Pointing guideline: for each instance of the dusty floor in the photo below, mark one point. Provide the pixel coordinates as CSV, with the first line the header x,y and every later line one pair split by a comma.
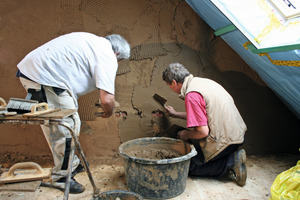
x,y
262,170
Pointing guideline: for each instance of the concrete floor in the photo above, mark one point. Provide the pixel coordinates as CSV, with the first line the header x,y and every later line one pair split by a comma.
x,y
262,170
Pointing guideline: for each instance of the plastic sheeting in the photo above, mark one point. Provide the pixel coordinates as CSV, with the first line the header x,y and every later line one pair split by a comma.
x,y
283,80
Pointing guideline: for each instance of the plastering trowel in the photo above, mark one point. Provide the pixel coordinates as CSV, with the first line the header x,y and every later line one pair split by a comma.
x,y
160,99
24,176
25,171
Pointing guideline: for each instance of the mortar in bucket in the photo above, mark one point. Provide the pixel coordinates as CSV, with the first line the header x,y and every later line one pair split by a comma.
x,y
157,167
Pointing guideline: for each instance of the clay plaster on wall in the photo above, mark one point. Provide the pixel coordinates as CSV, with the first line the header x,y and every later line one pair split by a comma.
x,y
159,32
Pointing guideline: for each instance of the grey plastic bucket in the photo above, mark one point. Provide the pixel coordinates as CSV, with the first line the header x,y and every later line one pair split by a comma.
x,y
120,195
157,178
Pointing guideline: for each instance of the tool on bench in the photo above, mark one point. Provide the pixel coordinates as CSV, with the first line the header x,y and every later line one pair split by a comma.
x,y
3,108
29,108
2,104
24,105
36,110
20,105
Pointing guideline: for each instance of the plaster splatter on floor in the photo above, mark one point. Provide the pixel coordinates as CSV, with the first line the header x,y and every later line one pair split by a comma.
x,y
262,171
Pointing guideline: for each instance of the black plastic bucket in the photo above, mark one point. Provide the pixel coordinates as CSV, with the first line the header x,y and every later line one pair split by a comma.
x,y
119,195
157,178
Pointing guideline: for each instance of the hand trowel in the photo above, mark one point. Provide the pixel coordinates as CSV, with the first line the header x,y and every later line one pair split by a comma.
x,y
160,99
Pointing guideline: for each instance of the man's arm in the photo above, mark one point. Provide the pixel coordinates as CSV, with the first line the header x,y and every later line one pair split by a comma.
x,y
173,113
198,132
107,103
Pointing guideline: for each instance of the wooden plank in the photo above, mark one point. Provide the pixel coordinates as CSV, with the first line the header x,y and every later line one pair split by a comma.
x,y
29,186
58,115
61,114
39,113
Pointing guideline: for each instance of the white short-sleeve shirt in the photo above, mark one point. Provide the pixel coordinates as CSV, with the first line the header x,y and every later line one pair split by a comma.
x,y
80,62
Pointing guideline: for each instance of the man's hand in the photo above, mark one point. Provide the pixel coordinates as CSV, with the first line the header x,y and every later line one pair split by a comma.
x,y
170,111
173,113
107,103
104,115
183,134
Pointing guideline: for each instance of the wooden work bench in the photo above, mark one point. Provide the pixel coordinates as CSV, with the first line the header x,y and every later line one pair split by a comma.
x,y
54,118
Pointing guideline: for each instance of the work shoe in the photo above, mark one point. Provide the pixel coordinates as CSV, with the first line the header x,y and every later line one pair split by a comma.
x,y
75,187
78,169
239,171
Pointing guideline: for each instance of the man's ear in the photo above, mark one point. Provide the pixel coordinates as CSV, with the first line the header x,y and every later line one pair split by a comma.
x,y
175,82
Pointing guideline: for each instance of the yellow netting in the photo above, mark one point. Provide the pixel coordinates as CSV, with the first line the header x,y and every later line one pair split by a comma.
x,y
294,63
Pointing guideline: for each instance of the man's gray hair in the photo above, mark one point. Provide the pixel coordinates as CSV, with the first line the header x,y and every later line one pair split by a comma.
x,y
120,46
175,71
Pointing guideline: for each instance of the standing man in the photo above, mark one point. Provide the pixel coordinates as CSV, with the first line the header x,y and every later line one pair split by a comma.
x,y
217,128
61,71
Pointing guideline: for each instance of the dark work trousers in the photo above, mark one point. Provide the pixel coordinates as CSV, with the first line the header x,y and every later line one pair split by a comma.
x,y
216,167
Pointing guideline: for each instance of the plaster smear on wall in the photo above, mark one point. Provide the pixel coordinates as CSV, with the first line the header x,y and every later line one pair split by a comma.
x,y
156,30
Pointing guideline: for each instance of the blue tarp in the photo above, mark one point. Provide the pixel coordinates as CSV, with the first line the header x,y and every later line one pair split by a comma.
x,y
283,80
